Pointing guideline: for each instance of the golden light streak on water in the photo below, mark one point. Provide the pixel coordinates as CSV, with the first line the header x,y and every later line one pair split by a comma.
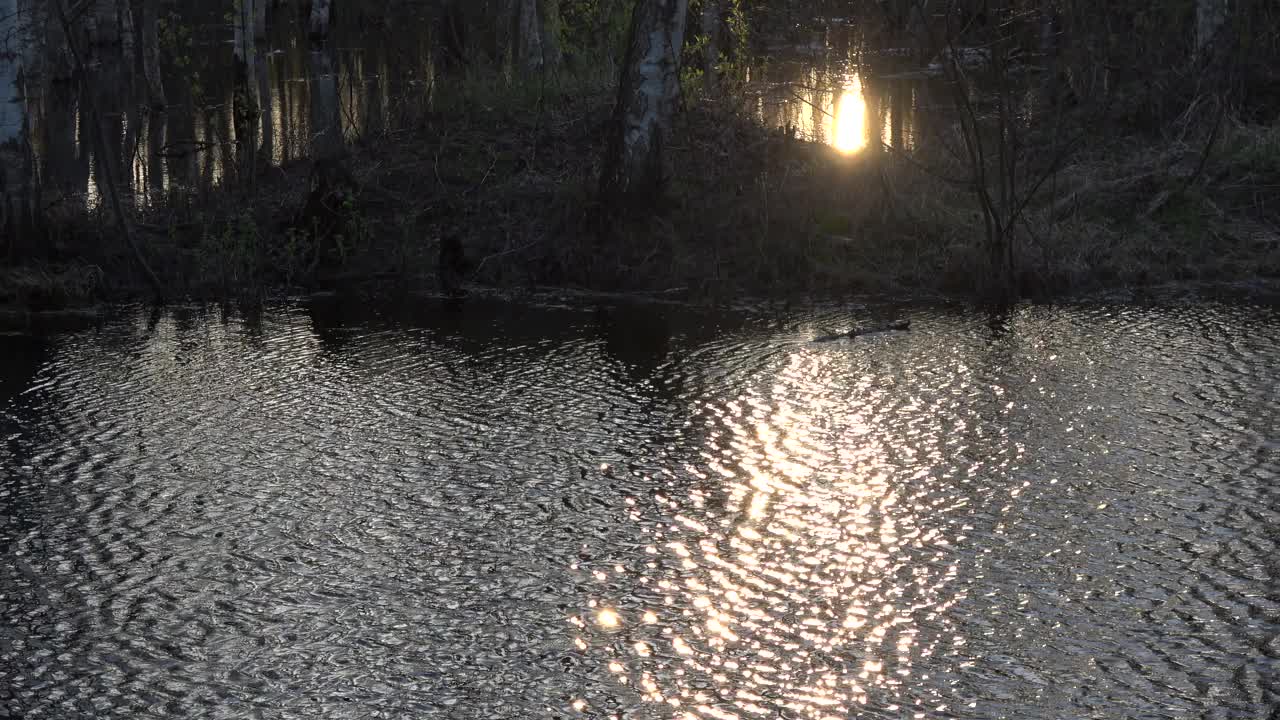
x,y
792,577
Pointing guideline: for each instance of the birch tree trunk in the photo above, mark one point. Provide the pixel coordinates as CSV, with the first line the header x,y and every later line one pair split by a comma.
x,y
10,60
552,55
267,110
125,12
12,128
106,30
1211,15
648,93
156,136
51,42
711,32
528,36
1052,85
243,21
260,19
451,34
246,105
150,39
320,16
326,122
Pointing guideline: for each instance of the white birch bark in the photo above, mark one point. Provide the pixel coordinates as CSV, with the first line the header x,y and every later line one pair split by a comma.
x,y
267,108
321,12
246,104
1211,15
528,36
150,39
260,19
326,125
10,62
549,14
106,30
125,13
12,124
244,31
648,93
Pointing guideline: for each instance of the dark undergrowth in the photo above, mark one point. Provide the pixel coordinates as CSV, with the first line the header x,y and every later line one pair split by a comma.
x,y
510,173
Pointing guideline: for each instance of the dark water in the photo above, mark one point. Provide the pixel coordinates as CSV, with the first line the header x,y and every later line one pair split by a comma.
x,y
495,511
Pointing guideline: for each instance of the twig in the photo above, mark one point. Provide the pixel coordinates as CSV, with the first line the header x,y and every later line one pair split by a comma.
x,y
504,253
1208,146
493,161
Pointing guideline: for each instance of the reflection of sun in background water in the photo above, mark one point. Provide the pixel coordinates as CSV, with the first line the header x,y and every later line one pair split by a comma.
x,y
797,574
850,133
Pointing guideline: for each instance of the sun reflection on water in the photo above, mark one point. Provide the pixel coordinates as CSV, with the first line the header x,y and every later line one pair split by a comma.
x,y
810,567
850,133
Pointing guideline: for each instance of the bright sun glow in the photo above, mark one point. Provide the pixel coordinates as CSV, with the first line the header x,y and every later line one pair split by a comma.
x,y
850,133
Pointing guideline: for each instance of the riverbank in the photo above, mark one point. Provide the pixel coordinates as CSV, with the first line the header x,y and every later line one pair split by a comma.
x,y
510,175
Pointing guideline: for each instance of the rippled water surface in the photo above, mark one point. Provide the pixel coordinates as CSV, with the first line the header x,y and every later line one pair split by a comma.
x,y
498,511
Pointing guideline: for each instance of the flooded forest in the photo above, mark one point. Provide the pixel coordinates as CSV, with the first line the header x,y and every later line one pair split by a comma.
x,y
704,148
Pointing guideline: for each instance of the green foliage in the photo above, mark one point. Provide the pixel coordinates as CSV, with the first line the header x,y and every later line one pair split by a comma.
x,y
232,255
594,29
692,80
739,30
734,50
830,223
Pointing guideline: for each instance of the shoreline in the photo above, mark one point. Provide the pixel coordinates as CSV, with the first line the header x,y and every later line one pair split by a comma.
x,y
21,321
750,213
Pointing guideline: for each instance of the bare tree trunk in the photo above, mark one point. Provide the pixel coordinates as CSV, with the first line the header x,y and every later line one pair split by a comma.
x,y
711,32
157,126
151,52
105,158
125,13
648,93
326,122
260,19
451,34
52,44
106,25
10,63
246,110
528,36
268,111
320,16
1211,15
552,54
13,182
604,26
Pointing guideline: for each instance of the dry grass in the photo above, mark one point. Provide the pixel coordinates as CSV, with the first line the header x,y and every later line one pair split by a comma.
x,y
51,287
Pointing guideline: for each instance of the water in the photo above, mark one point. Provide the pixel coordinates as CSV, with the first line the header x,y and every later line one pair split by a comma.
x,y
838,88
498,511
